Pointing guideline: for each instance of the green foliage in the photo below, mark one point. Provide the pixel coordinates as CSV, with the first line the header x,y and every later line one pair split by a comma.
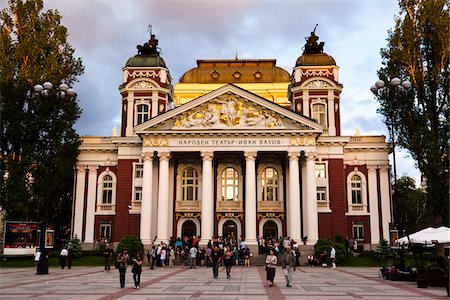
x,y
339,239
132,243
383,251
411,210
418,50
369,254
75,245
326,245
38,142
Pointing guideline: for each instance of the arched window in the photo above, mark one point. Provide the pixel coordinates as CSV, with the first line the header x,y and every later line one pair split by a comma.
x,y
230,185
189,185
142,114
356,189
269,183
107,189
318,113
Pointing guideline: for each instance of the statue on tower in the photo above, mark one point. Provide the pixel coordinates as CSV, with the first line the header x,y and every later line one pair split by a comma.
x,y
150,48
311,46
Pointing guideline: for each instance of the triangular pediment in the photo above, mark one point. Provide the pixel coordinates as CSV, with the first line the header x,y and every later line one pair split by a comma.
x,y
229,108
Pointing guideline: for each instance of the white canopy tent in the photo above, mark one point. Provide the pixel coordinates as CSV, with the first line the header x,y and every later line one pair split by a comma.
x,y
429,235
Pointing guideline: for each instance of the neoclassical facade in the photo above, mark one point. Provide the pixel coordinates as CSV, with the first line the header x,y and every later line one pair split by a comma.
x,y
236,148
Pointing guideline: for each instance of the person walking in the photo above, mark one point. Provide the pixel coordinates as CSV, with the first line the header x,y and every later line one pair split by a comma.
x,y
193,257
271,265
162,257
123,259
107,254
333,257
287,264
228,262
137,270
63,257
207,257
69,258
153,257
216,259
247,255
171,256
37,257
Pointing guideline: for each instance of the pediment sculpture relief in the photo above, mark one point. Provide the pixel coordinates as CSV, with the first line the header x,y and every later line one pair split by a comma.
x,y
228,111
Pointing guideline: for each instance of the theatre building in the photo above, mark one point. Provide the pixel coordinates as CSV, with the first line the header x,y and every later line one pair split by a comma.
x,y
238,147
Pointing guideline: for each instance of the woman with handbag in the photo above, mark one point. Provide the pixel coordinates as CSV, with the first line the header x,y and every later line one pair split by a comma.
x,y
137,270
271,264
121,263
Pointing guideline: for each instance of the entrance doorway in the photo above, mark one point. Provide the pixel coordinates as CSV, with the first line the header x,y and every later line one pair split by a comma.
x,y
229,229
270,229
188,229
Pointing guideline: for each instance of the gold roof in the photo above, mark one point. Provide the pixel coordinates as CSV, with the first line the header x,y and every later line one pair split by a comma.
x,y
236,71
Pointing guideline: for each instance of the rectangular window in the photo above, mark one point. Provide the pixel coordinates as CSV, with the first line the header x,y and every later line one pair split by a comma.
x,y
358,230
356,197
320,170
105,230
321,194
139,171
138,193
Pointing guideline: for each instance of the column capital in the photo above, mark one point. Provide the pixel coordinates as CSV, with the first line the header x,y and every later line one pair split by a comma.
x,y
207,155
92,169
293,154
250,155
80,168
310,155
384,168
147,156
164,155
372,168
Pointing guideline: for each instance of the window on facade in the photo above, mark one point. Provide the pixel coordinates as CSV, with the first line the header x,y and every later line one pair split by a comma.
x,y
105,230
142,113
320,170
107,189
139,171
269,183
358,230
189,184
319,113
356,189
230,185
138,193
321,193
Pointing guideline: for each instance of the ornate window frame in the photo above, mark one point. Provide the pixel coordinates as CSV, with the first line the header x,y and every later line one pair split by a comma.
x,y
235,206
320,102
145,114
264,220
235,220
322,182
106,208
359,226
357,209
196,185
270,206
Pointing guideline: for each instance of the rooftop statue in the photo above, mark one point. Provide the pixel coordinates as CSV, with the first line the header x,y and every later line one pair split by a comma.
x,y
311,46
150,48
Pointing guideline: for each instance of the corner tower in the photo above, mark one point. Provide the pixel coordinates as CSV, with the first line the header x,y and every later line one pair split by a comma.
x,y
146,89
315,89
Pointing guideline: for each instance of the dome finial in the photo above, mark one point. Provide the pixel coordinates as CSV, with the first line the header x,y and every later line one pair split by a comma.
x,y
311,46
150,48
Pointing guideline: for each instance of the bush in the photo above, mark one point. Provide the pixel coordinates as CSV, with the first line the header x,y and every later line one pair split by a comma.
x,y
326,245
383,251
132,243
368,254
75,246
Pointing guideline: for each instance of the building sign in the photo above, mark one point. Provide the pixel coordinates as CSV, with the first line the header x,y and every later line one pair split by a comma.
x,y
20,238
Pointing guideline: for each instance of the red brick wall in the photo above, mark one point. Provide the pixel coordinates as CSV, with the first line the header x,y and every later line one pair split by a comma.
x,y
337,117
123,197
124,118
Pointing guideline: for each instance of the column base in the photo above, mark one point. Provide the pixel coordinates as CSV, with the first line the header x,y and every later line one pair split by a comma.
x,y
147,244
158,241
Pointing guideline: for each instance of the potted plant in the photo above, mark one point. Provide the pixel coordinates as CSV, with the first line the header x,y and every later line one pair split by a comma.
x,y
421,275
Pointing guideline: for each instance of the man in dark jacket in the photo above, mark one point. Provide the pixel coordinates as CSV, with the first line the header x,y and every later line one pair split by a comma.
x,y
287,264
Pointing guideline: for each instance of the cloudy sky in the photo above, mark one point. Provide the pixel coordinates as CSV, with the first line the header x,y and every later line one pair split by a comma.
x,y
105,34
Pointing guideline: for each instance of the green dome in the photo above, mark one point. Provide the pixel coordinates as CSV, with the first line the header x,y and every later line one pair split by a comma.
x,y
316,59
146,61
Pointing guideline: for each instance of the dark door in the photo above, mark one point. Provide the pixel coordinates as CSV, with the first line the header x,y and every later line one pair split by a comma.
x,y
229,229
188,229
270,229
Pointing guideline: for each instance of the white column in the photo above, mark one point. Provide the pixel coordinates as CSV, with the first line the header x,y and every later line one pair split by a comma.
x,y
304,198
250,198
79,202
385,201
306,103
331,120
373,204
294,196
90,207
130,114
163,197
207,224
146,203
311,200
155,108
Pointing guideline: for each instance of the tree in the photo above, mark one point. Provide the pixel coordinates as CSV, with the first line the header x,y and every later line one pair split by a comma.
x,y
411,208
418,50
38,143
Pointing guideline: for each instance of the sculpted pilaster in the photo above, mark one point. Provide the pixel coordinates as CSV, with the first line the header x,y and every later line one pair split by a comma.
x,y
164,155
207,155
293,155
250,155
310,155
147,156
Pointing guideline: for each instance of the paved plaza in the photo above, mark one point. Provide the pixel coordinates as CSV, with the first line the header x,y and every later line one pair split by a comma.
x,y
246,283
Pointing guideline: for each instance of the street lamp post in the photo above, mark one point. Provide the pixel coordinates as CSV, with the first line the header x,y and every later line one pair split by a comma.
x,y
390,92
45,91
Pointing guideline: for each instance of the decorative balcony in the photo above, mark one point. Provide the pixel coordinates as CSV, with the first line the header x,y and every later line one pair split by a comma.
x,y
106,209
229,206
270,206
357,209
188,206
